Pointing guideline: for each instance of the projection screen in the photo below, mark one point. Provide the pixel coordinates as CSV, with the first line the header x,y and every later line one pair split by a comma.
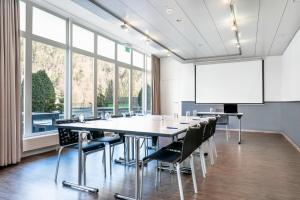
x,y
237,82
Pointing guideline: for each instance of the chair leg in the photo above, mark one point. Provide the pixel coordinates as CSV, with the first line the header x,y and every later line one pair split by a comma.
x,y
227,134
202,161
84,168
142,182
215,147
104,158
110,161
179,181
212,162
147,147
193,173
58,161
156,174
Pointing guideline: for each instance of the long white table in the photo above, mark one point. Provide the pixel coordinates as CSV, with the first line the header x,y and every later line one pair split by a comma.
x,y
136,127
238,115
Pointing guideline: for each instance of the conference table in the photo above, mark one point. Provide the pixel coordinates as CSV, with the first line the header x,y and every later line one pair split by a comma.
x,y
137,127
238,115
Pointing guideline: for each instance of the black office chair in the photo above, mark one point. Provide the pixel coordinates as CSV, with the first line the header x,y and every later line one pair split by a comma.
x,y
168,154
69,139
112,140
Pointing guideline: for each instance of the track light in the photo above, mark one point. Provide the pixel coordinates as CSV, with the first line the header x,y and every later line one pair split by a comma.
x,y
124,27
234,27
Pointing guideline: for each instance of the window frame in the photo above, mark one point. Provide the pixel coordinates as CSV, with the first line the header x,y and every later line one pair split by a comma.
x,y
29,37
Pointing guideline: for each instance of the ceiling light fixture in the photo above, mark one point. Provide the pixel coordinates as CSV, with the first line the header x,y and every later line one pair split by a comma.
x,y
169,11
124,27
227,1
234,27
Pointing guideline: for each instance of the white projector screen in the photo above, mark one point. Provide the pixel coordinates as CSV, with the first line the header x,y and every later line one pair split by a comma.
x,y
238,82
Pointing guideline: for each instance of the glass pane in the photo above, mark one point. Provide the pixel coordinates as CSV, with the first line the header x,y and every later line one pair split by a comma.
x,y
82,85
83,39
48,64
124,54
138,59
106,47
22,16
49,26
105,87
22,66
149,91
148,63
123,94
137,90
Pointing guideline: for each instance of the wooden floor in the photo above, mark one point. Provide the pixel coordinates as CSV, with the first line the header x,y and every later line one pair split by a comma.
x,y
264,167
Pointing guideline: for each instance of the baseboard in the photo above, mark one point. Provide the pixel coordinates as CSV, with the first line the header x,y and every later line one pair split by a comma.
x,y
290,141
38,151
273,132
250,130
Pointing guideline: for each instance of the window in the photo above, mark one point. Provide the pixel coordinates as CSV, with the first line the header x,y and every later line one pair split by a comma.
x,y
22,66
47,86
82,85
83,39
106,47
105,87
137,90
149,84
123,94
22,16
119,84
49,26
124,54
137,59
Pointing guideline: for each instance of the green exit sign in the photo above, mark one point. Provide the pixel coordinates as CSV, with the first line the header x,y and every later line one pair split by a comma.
x,y
127,49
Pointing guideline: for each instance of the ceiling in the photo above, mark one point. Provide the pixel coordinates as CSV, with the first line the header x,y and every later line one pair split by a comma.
x,y
204,31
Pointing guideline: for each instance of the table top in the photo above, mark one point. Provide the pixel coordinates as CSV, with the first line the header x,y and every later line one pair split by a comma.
x,y
149,125
220,113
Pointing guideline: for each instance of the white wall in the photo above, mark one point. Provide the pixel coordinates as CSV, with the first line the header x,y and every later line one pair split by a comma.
x,y
273,70
291,71
177,84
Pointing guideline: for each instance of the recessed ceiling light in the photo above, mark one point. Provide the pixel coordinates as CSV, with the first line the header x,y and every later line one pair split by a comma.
x,y
169,11
227,1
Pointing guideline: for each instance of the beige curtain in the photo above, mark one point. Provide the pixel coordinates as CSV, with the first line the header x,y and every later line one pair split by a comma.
x,y
10,134
156,110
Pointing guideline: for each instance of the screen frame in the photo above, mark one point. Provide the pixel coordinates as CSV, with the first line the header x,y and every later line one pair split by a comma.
x,y
263,88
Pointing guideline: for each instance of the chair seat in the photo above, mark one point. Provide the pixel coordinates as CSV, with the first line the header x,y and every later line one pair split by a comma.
x,y
109,139
175,146
164,155
90,146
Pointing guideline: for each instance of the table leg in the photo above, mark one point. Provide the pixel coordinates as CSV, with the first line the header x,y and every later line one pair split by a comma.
x,y
137,174
240,127
79,185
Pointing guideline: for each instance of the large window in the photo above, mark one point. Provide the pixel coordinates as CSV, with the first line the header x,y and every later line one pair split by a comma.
x,y
47,86
106,47
137,59
22,16
82,85
137,90
124,54
83,39
49,26
148,84
105,87
123,94
73,70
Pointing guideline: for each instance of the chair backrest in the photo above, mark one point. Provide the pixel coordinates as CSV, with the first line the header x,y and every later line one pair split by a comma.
x,y
192,140
214,124
67,136
207,129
